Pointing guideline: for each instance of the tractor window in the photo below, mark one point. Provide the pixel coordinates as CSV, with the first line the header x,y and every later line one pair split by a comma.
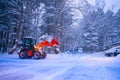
x,y
33,42
27,42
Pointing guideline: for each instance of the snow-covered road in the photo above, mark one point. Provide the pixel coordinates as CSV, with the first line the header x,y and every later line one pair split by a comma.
x,y
60,67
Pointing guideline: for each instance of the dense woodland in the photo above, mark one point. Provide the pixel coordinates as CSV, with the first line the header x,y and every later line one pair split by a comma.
x,y
75,26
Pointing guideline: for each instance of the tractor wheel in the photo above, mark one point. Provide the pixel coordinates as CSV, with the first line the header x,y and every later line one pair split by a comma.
x,y
22,55
37,55
43,55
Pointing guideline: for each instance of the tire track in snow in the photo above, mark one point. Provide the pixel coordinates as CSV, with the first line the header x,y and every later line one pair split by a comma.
x,y
50,76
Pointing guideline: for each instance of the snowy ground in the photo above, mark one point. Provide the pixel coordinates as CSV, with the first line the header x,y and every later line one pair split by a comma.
x,y
60,67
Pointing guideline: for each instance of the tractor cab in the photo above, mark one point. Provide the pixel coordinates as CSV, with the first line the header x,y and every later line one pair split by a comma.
x,y
28,43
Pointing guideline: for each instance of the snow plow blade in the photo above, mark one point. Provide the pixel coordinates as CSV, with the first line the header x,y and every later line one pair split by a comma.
x,y
11,51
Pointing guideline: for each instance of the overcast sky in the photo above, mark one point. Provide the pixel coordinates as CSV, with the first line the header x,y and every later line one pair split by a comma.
x,y
112,5
115,4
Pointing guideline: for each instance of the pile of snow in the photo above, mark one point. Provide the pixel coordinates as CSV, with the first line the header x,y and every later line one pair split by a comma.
x,y
111,50
117,58
45,37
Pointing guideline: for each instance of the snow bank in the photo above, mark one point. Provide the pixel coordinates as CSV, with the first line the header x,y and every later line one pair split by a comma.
x,y
117,58
60,67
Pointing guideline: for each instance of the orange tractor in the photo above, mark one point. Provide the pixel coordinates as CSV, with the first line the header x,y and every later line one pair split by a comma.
x,y
29,48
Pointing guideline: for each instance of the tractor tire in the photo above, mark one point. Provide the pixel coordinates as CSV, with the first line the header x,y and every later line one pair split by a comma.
x,y
43,55
37,55
23,55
